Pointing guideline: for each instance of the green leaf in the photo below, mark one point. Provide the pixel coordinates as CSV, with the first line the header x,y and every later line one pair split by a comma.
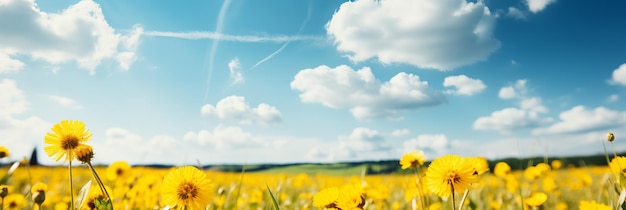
x,y
273,199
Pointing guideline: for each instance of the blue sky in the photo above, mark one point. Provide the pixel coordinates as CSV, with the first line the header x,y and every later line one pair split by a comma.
x,y
314,81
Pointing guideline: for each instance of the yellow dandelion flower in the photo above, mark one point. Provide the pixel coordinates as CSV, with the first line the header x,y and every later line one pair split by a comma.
x,y
556,164
480,164
618,164
350,197
66,136
501,169
448,173
592,205
14,202
38,192
561,206
186,186
412,159
536,199
326,198
118,170
84,153
4,152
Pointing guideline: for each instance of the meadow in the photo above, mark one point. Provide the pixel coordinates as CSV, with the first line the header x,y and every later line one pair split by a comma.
x,y
447,182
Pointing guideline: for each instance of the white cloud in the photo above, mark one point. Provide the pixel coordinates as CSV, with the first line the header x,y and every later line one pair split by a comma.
x,y
400,132
432,144
613,98
237,109
12,100
428,34
234,68
365,96
516,13
528,115
514,91
9,65
579,119
227,138
619,75
464,85
79,33
362,143
536,6
66,102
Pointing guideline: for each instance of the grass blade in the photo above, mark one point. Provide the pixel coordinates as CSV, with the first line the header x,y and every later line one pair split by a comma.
x,y
273,199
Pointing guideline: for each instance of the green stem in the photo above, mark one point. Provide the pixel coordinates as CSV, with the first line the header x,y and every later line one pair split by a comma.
x,y
71,187
95,175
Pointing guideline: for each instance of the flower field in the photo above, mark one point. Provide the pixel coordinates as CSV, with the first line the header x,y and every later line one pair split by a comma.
x,y
448,182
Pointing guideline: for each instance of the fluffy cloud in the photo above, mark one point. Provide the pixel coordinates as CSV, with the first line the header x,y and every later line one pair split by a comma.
x,y
428,34
9,65
509,119
432,144
613,98
527,115
79,33
619,75
237,109
516,13
20,135
400,132
464,85
579,119
536,6
514,91
362,93
234,69
227,138
12,100
362,143
66,102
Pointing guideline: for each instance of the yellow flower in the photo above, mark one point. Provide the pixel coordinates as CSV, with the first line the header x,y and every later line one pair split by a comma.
x,y
350,197
66,136
4,152
118,170
84,153
592,205
412,159
186,186
618,164
556,164
450,173
501,169
38,192
326,198
14,202
480,164
536,199
610,137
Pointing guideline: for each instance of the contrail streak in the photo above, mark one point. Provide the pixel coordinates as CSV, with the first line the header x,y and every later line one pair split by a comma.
x,y
308,17
199,35
218,29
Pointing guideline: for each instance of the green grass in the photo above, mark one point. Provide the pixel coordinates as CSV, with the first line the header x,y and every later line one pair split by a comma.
x,y
338,169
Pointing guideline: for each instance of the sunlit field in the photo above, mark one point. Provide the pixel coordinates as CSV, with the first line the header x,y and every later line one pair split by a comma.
x,y
447,182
